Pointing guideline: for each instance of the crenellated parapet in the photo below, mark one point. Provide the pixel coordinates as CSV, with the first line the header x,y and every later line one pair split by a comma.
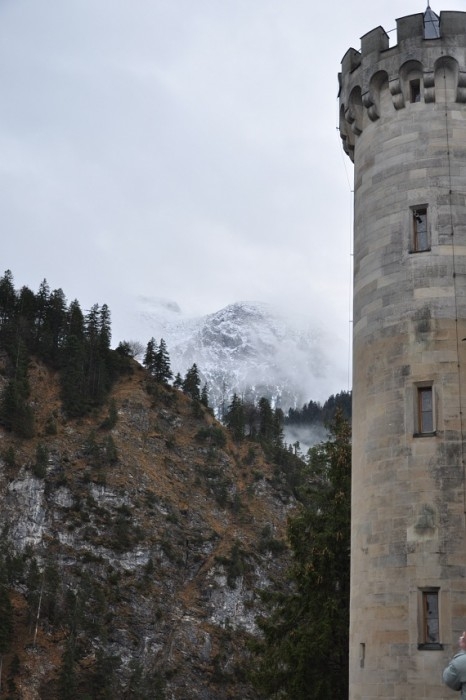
x,y
380,79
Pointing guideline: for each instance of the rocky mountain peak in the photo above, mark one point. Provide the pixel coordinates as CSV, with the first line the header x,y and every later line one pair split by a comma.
x,y
252,349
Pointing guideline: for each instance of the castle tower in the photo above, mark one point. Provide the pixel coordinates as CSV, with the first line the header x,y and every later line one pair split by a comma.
x,y
403,123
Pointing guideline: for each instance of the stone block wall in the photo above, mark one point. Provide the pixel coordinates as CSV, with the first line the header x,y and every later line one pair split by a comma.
x,y
403,123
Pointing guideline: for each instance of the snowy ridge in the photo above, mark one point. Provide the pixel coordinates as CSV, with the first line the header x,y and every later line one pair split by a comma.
x,y
249,348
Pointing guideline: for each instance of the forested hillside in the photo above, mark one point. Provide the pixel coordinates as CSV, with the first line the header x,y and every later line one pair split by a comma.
x,y
44,326
314,413
147,549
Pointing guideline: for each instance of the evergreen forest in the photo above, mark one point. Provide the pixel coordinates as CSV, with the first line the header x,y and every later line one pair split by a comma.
x,y
300,648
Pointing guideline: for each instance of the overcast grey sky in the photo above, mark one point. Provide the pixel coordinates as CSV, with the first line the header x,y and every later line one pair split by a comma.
x,y
182,149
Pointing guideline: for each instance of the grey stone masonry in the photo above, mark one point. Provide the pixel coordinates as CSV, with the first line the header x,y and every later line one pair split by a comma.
x,y
403,124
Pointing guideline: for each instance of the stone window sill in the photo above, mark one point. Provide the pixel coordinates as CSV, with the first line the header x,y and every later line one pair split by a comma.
x,y
430,647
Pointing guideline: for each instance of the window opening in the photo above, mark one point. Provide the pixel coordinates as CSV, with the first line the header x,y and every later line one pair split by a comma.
x,y
430,618
420,237
415,90
362,654
425,410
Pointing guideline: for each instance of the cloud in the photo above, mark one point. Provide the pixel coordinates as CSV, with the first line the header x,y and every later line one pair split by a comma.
x,y
181,150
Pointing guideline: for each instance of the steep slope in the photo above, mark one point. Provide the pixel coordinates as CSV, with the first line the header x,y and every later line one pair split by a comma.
x,y
134,545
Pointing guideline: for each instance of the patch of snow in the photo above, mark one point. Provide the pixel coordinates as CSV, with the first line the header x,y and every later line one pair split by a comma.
x,y
252,349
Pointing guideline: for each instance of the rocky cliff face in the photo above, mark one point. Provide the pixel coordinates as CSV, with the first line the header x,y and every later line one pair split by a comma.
x,y
135,548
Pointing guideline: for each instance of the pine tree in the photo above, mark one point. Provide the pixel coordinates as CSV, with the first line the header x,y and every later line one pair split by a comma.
x,y
42,298
53,327
162,371
150,355
266,420
235,418
26,316
105,329
191,383
7,298
98,360
278,420
304,652
75,320
8,303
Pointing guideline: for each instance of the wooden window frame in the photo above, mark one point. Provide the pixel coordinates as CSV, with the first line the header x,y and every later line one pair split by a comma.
x,y
425,411
429,631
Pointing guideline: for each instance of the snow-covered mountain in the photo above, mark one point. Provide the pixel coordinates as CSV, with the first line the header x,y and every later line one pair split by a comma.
x,y
249,348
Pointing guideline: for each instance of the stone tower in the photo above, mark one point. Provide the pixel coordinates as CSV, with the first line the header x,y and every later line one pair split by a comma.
x,y
403,123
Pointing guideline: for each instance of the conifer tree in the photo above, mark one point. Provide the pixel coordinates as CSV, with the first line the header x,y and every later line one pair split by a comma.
x,y
53,326
26,316
162,372
75,320
266,420
92,324
8,312
105,329
235,418
91,334
150,355
42,298
191,383
304,652
278,420
7,298
97,337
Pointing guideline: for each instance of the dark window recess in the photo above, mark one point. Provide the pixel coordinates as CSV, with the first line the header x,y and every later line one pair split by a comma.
x,y
420,238
431,627
415,91
425,410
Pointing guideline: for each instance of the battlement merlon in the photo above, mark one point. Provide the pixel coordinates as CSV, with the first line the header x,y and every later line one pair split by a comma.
x,y
377,61
410,29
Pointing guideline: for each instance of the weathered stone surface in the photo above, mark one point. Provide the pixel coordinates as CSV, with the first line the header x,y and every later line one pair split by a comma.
x,y
409,323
